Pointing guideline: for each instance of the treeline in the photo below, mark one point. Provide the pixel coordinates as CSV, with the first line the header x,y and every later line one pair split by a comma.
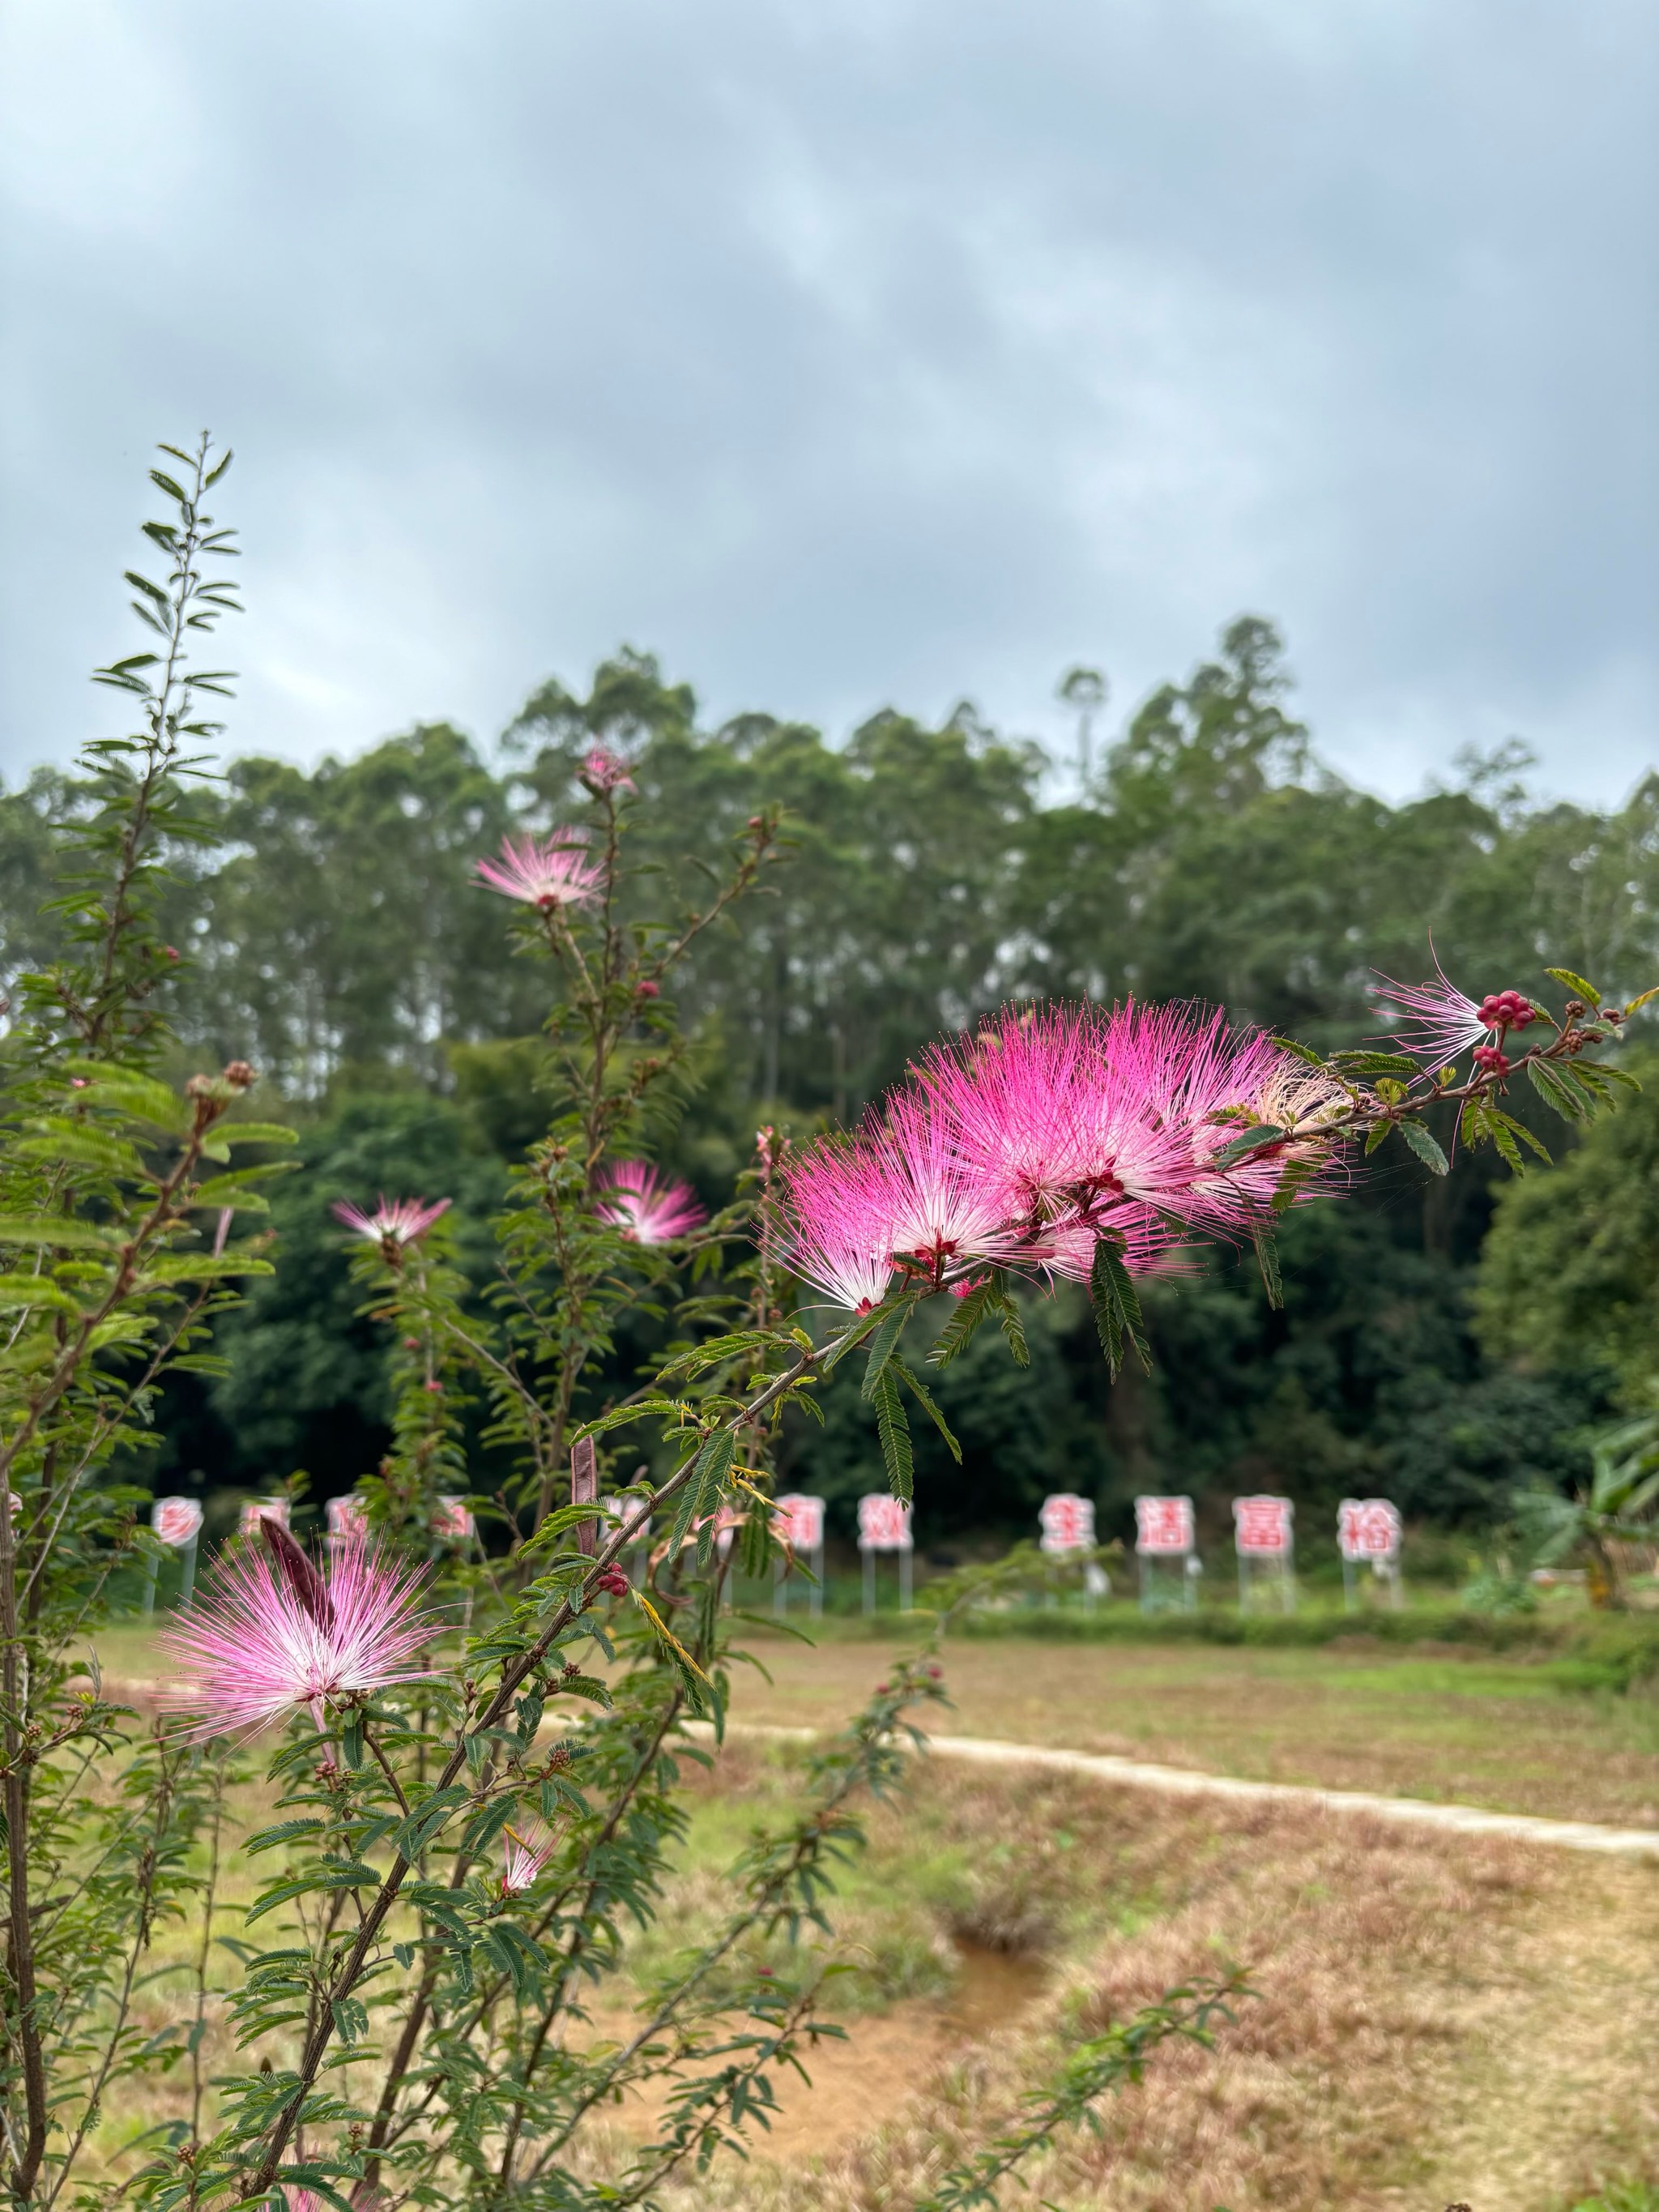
x,y
329,931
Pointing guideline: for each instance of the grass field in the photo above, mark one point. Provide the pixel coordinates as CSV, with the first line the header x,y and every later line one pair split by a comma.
x,y
1438,2021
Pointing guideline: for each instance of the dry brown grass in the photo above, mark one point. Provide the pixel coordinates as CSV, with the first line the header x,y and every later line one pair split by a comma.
x,y
1436,2019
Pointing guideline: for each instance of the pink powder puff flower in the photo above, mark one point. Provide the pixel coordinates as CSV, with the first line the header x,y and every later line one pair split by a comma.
x,y
271,1633
911,1186
1149,1246
525,1853
1053,1115
603,770
827,1235
1444,1023
394,1220
648,1209
1212,1084
546,872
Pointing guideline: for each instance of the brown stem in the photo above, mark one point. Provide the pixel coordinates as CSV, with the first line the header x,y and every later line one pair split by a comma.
x,y
26,2167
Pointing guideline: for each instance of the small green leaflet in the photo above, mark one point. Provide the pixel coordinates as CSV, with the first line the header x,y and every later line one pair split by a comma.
x,y
1252,1141
1117,1307
1374,1063
958,1333
701,1495
1266,1258
1011,1328
1556,1089
893,1432
1302,1051
1577,985
1426,1147
882,1345
924,1398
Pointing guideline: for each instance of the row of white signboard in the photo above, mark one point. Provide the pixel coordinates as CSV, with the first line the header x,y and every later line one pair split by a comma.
x,y
178,1521
1264,1527
1367,1528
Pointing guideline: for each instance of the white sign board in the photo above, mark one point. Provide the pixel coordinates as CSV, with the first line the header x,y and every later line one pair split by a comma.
x,y
1261,1527
1369,1528
883,1522
261,1509
176,1521
1164,1528
346,1517
1068,1522
799,1521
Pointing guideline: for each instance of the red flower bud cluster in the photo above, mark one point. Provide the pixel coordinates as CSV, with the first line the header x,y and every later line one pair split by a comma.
x,y
1506,1010
1488,1057
613,1582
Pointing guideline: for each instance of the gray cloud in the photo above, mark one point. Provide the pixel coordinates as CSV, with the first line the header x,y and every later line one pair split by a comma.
x,y
847,352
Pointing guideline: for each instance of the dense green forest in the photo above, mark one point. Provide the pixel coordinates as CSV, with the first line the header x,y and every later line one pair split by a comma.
x,y
328,930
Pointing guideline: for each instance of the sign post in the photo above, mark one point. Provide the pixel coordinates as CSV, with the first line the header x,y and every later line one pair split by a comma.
x,y
178,1521
799,1523
884,1526
1264,1536
1164,1530
1068,1522
1368,1530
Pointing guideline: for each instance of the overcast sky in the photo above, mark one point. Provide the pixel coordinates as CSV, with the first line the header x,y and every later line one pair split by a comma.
x,y
849,352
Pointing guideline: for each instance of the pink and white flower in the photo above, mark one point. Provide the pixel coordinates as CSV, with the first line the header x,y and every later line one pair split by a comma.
x,y
1445,1022
271,1634
548,873
648,1209
829,1234
1053,1111
394,1221
525,1852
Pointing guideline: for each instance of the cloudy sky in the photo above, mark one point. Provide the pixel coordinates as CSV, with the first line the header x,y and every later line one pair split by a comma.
x,y
847,352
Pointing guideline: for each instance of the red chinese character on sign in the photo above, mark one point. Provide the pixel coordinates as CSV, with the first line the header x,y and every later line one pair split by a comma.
x,y
1068,1522
261,1509
1261,1527
799,1521
884,1524
347,1516
1368,1528
176,1521
1163,1526
453,1521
